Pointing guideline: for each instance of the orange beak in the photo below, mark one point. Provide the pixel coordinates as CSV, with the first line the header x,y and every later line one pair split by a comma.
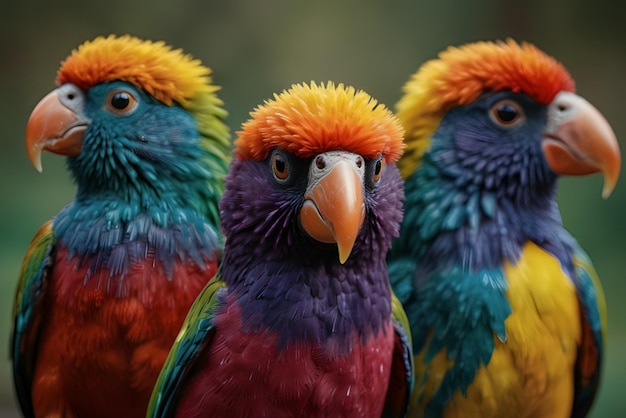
x,y
334,208
580,141
56,124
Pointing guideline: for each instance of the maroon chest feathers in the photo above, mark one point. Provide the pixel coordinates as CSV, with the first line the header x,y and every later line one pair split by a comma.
x,y
248,374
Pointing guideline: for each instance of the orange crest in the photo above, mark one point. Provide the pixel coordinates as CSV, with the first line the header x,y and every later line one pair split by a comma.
x,y
165,73
461,74
307,120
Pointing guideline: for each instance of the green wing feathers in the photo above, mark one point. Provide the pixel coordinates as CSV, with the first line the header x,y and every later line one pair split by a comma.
x,y
402,379
195,333
400,318
31,287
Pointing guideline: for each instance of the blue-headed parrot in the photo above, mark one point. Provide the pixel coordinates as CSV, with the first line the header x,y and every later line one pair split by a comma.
x,y
300,320
106,284
506,310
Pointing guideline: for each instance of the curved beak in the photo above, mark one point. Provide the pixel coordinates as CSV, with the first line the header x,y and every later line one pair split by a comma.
x,y
334,208
56,124
580,141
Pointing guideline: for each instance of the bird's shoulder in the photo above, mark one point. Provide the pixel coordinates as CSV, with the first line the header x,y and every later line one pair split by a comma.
x,y
28,309
195,335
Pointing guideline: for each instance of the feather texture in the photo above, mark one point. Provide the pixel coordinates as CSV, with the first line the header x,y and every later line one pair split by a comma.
x,y
107,283
294,331
505,308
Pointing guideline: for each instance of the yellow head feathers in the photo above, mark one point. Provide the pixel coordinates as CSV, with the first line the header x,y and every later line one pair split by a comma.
x,y
461,74
167,74
310,119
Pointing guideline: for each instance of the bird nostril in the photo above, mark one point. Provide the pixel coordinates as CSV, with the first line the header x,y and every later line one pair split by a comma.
x,y
359,162
319,162
563,108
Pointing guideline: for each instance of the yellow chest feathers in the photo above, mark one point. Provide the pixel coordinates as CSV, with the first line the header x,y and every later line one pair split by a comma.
x,y
531,374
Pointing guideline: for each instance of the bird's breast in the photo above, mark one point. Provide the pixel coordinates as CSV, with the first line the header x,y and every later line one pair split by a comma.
x,y
107,337
251,374
533,369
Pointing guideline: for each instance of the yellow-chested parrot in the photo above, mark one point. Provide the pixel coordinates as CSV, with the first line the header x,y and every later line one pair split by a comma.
x,y
506,310
301,321
106,284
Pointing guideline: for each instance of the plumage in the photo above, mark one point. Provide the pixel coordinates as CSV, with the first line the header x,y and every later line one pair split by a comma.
x,y
106,284
300,320
506,311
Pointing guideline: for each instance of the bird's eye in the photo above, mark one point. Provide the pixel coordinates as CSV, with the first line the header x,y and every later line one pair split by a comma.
x,y
280,167
378,169
506,113
121,102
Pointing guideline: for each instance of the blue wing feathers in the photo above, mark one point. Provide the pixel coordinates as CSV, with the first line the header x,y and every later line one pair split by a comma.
x,y
458,312
593,323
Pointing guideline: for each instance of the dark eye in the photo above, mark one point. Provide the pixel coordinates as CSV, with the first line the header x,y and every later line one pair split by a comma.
x,y
280,167
121,102
378,169
507,113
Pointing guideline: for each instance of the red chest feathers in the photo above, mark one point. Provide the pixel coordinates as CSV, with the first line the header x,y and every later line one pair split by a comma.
x,y
103,340
247,375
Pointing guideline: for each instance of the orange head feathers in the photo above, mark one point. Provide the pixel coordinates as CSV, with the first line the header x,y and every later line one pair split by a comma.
x,y
167,74
461,74
309,119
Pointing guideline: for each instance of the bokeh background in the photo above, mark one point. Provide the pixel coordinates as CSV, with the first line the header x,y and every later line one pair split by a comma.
x,y
259,47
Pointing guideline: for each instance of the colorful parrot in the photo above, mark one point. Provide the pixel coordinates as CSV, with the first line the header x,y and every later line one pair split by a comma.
x,y
506,311
106,284
301,321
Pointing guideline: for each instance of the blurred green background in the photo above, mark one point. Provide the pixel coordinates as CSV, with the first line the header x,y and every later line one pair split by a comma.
x,y
259,47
